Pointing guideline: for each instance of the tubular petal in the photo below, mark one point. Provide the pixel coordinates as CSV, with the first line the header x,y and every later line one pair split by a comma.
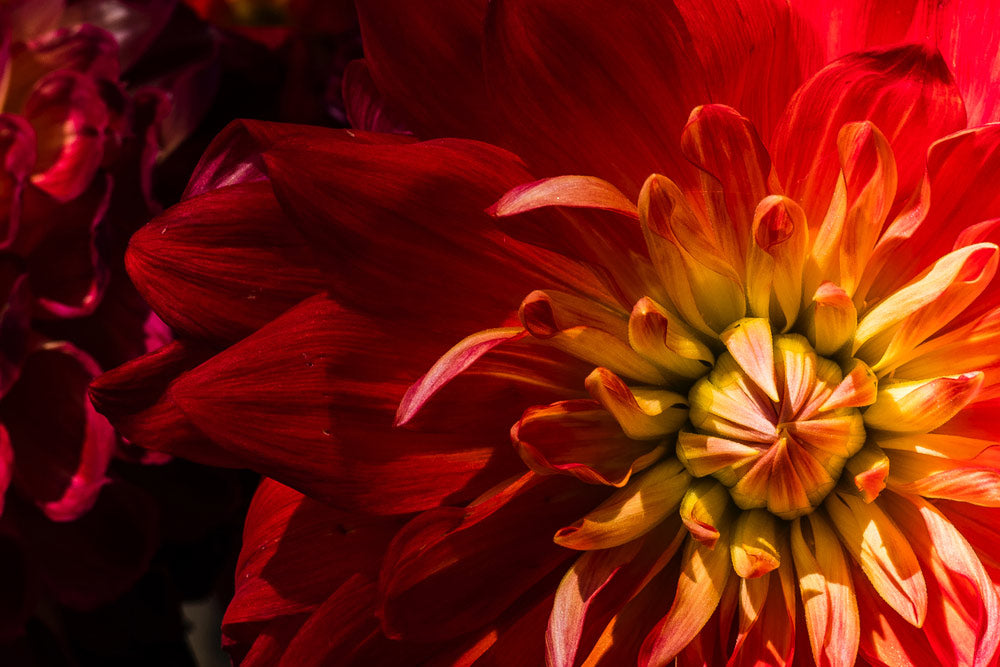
x,y
868,470
777,254
834,319
582,439
644,414
749,341
874,541
664,339
629,512
858,389
704,510
920,406
755,544
703,579
733,164
831,609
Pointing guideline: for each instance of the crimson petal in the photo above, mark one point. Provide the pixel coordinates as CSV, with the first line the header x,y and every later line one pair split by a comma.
x,y
452,570
221,265
907,92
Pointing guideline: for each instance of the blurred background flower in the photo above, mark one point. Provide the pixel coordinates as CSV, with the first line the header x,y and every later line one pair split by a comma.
x,y
751,401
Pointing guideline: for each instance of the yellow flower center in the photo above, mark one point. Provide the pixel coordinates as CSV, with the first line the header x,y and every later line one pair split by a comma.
x,y
770,421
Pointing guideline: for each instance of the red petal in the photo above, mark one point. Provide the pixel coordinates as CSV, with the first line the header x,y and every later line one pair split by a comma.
x,y
578,438
366,108
428,64
958,186
633,72
222,265
376,237
452,570
134,398
337,627
62,447
296,553
294,400
906,92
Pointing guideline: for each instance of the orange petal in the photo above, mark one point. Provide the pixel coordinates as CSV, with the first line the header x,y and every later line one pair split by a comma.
x,y
703,578
582,328
579,438
664,339
831,609
575,191
703,510
705,454
643,413
891,329
776,258
832,320
874,541
868,470
858,389
631,511
963,623
922,405
755,544
749,341
703,283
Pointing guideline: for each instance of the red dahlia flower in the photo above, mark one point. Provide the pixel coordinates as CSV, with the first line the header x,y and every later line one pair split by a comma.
x,y
77,151
741,407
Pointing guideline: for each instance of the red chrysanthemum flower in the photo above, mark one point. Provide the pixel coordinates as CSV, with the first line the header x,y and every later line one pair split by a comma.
x,y
746,358
77,148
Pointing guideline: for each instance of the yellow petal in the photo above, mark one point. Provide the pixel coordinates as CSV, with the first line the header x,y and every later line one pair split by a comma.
x,y
642,412
749,341
703,510
867,471
832,319
630,511
755,544
664,339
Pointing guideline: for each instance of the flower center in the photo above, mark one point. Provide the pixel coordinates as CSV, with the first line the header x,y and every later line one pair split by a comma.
x,y
773,421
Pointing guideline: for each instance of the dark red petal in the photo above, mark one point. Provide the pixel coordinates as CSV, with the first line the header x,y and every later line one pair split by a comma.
x,y
132,30
378,236
86,49
428,64
221,265
134,398
579,438
604,97
366,107
234,156
15,329
295,400
61,445
958,187
452,570
297,552
337,627
907,92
